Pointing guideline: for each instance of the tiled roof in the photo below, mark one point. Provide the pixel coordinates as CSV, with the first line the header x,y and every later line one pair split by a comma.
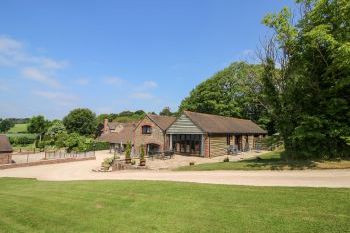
x,y
163,122
124,136
5,145
220,124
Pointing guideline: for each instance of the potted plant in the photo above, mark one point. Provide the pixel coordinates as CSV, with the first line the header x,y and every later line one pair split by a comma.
x,y
142,157
128,153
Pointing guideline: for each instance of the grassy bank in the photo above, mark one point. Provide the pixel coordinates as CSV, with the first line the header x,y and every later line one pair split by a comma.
x,y
19,128
269,161
136,206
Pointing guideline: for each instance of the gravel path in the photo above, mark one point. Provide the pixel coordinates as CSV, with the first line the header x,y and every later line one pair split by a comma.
x,y
83,171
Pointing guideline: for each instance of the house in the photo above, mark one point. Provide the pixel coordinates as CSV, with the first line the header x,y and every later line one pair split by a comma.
x,y
112,127
192,133
209,135
5,150
118,134
150,132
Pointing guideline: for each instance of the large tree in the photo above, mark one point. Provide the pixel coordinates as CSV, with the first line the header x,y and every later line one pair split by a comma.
x,y
38,125
309,93
82,121
5,125
234,91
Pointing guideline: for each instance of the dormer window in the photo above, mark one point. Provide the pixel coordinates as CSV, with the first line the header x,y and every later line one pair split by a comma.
x,y
146,129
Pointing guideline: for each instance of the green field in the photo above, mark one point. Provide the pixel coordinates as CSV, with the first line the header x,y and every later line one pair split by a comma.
x,y
19,128
269,161
139,206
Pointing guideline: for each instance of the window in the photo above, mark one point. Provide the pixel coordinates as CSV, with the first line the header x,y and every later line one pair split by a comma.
x,y
146,129
228,139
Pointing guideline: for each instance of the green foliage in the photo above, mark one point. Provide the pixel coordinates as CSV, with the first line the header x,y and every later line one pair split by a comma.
x,y
234,91
309,95
81,121
56,128
22,139
125,116
74,142
128,150
142,153
5,125
107,163
166,112
101,146
19,128
38,124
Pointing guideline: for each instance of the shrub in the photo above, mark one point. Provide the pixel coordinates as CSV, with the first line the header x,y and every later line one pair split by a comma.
x,y
107,163
226,160
100,146
192,163
21,139
142,155
128,151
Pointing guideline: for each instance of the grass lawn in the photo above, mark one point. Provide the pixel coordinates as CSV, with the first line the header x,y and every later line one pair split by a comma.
x,y
19,128
139,206
269,161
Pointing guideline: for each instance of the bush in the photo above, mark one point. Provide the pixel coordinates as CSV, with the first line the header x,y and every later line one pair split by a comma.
x,y
21,139
107,163
226,160
100,146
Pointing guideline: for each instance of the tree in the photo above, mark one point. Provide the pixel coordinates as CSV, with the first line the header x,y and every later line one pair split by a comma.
x,y
5,125
81,121
235,92
166,112
38,125
56,128
308,95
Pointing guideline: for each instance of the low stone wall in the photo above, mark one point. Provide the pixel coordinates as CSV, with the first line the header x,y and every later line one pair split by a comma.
x,y
44,162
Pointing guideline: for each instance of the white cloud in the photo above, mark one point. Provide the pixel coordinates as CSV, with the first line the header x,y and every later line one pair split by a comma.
x,y
114,81
141,95
13,53
147,85
39,76
60,98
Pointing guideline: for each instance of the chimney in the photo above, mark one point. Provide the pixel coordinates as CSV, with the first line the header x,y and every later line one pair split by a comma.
x,y
105,125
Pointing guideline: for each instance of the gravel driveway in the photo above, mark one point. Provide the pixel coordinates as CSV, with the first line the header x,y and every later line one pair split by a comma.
x,y
83,171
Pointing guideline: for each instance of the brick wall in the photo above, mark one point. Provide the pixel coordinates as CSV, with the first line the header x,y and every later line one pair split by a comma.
x,y
156,137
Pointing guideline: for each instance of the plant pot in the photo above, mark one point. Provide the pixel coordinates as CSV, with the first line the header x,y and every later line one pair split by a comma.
x,y
142,162
127,160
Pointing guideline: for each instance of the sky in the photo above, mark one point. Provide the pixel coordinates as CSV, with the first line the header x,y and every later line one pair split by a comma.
x,y
112,56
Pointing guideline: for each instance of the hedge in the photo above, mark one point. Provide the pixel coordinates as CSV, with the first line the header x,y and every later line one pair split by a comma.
x,y
22,139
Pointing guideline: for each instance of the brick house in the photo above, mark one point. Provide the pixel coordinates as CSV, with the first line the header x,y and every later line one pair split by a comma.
x,y
5,150
151,132
210,135
117,134
112,127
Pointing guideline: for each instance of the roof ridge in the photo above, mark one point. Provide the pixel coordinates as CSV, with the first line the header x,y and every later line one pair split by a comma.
x,y
218,115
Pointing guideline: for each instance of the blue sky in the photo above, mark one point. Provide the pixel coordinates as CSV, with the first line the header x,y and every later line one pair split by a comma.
x,y
112,56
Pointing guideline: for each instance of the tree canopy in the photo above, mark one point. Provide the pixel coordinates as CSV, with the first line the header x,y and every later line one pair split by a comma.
x,y
81,121
6,125
234,91
308,95
38,124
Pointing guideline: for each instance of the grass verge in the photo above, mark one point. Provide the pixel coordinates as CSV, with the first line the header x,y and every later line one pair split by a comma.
x,y
269,161
138,206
